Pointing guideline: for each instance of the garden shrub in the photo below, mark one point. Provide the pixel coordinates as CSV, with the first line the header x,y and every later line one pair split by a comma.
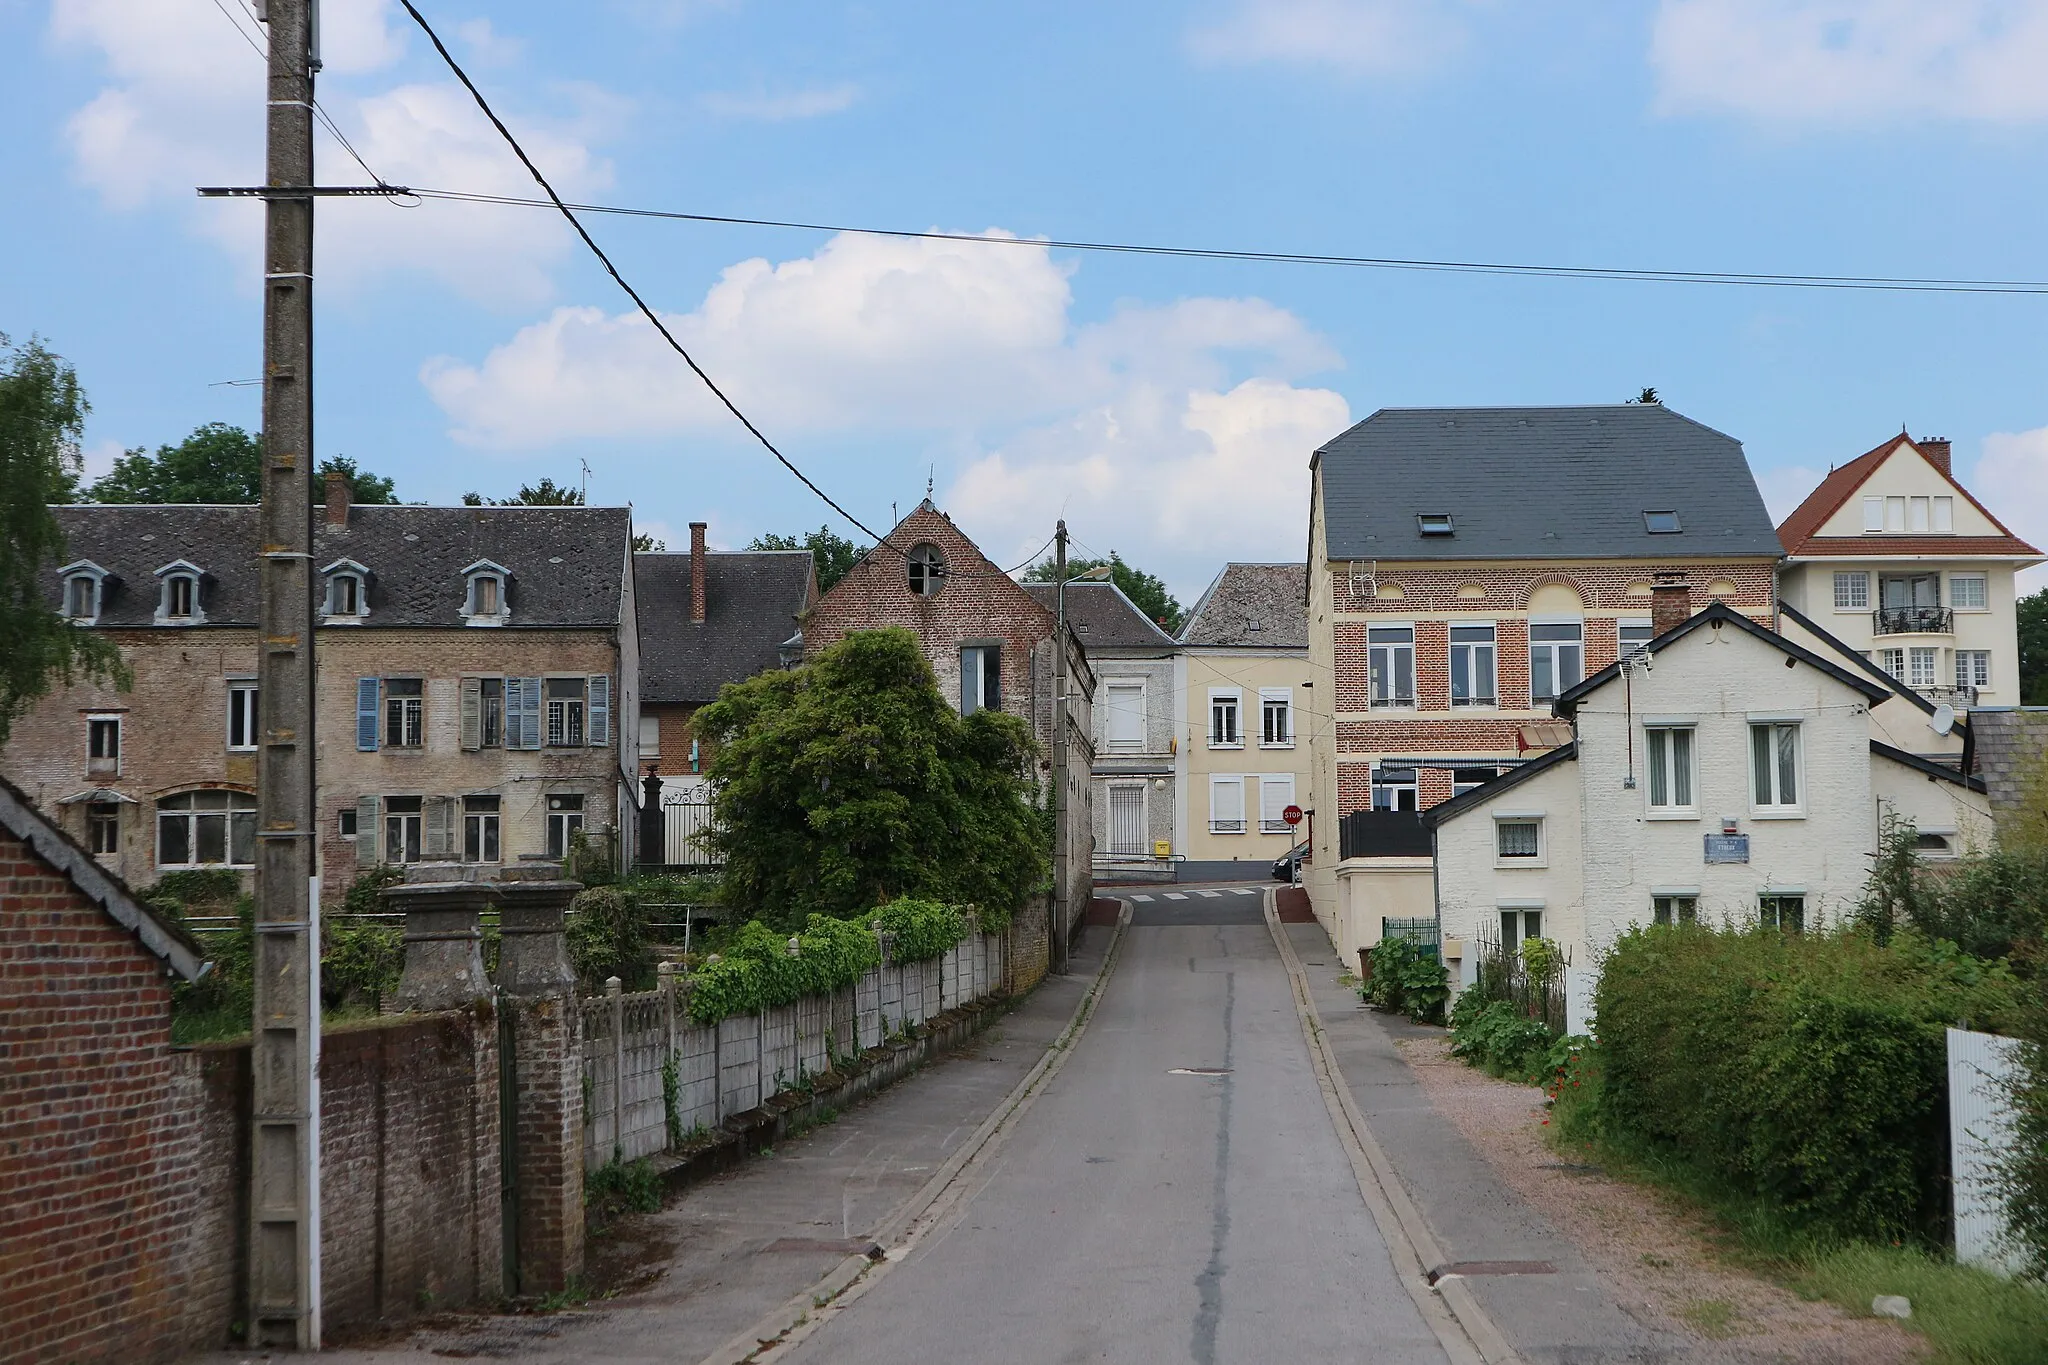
x,y
2023,1171
607,938
1407,978
360,965
1810,1071
756,970
922,929
1500,1038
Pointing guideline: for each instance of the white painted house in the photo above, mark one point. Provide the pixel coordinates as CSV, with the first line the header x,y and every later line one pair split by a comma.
x,y
1723,773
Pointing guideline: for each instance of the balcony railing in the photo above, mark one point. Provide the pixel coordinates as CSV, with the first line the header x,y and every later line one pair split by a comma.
x,y
1379,703
1226,826
1953,696
1911,621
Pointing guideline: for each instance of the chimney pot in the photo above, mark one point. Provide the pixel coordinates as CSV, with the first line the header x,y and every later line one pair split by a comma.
x,y
338,494
1670,602
1936,449
697,572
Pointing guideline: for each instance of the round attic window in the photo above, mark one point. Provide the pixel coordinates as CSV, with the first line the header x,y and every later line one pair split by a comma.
x,y
926,569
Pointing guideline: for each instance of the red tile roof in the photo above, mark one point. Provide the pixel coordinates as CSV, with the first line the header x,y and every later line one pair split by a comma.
x,y
1799,532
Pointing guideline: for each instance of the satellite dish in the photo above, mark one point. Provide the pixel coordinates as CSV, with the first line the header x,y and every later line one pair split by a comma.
x,y
1943,720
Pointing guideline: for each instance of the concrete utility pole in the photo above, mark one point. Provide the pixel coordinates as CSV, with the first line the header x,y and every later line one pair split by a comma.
x,y
284,1127
1058,917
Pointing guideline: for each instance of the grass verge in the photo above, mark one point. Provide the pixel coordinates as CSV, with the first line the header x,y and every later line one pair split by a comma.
x,y
1968,1316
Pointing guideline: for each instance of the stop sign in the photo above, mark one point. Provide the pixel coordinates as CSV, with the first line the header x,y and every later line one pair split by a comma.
x,y
1292,815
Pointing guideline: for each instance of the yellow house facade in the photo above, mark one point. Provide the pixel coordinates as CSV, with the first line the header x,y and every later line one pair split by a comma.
x,y
1245,694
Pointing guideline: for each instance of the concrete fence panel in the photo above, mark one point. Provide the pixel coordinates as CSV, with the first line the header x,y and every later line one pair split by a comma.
x,y
1982,1070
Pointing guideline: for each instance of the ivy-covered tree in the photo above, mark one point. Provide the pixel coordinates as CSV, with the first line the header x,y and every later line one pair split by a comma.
x,y
850,781
42,416
217,463
833,554
1147,591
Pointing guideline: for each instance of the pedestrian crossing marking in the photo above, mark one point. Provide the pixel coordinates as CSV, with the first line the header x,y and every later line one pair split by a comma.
x,y
1175,896
1246,891
1212,895
1141,898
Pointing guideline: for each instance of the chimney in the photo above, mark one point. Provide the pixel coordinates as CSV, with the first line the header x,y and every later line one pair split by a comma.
x,y
697,573
338,493
1670,602
1936,448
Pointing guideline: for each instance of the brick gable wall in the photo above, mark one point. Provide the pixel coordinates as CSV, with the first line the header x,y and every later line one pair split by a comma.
x,y
92,1203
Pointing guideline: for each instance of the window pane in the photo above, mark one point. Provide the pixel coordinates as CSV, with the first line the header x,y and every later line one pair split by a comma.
x,y
1788,765
1510,922
490,838
1517,838
1461,674
173,840
1660,767
1482,673
242,839
1404,674
212,838
1873,514
1760,763
1542,685
1681,767
1569,666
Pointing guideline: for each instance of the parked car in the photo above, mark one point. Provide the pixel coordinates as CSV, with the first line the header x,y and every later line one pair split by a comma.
x,y
1287,867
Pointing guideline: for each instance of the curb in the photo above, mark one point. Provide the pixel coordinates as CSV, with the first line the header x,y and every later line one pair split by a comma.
x,y
930,1209
1462,1327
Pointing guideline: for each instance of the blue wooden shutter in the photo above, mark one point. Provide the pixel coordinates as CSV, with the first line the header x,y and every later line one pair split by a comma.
x,y
514,722
533,737
366,713
600,727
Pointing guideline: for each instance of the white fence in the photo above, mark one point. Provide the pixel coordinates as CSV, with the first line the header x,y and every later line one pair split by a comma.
x,y
1982,1070
738,1063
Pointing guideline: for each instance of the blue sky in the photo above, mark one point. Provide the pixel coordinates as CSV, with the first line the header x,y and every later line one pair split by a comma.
x,y
1166,407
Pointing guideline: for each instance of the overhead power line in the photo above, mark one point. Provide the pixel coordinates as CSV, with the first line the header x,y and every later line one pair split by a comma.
x,y
1640,275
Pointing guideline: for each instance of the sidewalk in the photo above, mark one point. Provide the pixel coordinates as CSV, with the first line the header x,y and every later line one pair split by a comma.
x,y
735,1248
1569,1316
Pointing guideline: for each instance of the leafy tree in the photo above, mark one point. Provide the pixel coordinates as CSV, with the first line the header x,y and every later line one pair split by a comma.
x,y
2033,613
833,554
218,463
542,494
42,416
849,782
645,544
1146,591
1646,396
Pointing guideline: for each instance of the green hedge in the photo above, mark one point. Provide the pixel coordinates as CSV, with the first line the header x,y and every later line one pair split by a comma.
x,y
756,971
1810,1071
1407,978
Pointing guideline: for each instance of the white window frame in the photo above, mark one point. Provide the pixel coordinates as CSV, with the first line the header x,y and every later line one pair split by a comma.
x,y
1892,659
100,815
1895,514
1501,858
1873,516
1283,698
565,721
92,576
1223,824
1550,648
1660,753
1676,907
192,815
1777,898
1413,786
1766,788
1983,591
1944,522
1268,783
563,824
409,827
1923,666
1857,598
107,765
472,578
1526,917
1110,711
168,578
337,571
924,570
1973,669
412,719
242,701
981,687
1471,650
1233,738
1383,660
1919,515
487,825
650,733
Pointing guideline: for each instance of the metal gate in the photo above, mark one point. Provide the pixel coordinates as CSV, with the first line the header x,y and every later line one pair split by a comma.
x,y
685,826
1127,819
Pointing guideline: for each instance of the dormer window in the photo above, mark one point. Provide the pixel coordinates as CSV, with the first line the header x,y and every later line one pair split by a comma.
x,y
1661,523
1434,523
180,604
348,592
486,602
83,585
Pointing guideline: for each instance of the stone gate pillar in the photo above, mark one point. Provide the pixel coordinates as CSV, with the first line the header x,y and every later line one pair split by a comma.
x,y
546,1028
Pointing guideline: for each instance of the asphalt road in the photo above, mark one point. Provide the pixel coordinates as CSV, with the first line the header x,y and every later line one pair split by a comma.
x,y
1176,1193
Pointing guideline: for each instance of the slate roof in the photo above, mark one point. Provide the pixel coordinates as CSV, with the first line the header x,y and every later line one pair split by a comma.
x,y
178,949
2011,744
1257,605
1539,483
1494,786
751,602
1102,616
1797,534
567,564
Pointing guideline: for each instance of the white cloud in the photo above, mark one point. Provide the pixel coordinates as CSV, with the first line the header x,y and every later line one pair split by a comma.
x,y
1359,37
1785,487
1180,417
1847,61
780,107
2011,478
487,44
183,106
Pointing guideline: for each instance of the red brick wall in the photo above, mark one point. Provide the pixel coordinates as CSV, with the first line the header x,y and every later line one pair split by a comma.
x,y
91,1202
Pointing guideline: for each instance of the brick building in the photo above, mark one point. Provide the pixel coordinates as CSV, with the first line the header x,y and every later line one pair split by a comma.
x,y
477,696
1469,565
990,643
92,1204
